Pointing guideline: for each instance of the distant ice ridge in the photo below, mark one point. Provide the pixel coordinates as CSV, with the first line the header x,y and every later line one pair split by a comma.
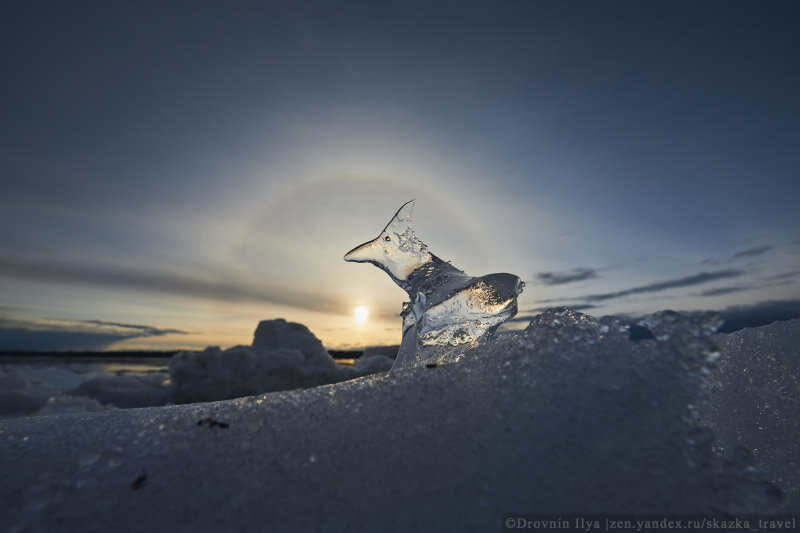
x,y
448,311
284,355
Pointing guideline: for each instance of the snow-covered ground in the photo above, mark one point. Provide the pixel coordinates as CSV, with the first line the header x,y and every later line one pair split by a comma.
x,y
754,405
569,416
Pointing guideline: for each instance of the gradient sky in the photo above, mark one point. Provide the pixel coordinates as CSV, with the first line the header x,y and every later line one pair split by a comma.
x,y
173,172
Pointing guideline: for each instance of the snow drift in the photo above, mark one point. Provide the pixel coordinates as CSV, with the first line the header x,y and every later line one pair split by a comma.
x,y
569,416
284,355
26,389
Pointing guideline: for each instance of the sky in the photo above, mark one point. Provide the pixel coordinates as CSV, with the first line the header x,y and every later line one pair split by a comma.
x,y
173,172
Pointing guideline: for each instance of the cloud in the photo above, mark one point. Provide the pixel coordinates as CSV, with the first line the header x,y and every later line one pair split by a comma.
x,y
688,281
56,334
723,290
553,300
146,330
164,282
785,275
750,252
560,278
753,252
770,281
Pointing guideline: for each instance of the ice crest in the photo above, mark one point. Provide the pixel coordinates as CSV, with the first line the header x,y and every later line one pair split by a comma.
x,y
448,311
283,356
561,323
690,331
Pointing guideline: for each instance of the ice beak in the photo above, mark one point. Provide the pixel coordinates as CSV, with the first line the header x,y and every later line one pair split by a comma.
x,y
369,251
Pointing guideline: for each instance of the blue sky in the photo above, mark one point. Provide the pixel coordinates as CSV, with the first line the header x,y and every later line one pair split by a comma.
x,y
173,172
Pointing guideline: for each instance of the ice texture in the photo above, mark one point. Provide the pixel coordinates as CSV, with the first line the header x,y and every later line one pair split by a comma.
x,y
448,311
568,416
754,402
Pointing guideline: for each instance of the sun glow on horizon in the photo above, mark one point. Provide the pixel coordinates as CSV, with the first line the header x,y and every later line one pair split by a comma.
x,y
361,313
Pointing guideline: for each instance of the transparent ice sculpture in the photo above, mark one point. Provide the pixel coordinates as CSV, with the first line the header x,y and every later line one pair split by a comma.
x,y
448,311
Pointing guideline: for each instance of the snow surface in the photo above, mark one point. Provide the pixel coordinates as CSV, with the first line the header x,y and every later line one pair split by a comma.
x,y
754,401
567,416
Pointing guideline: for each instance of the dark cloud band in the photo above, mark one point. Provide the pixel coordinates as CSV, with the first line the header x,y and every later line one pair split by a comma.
x,y
560,278
51,334
723,290
753,252
688,281
165,283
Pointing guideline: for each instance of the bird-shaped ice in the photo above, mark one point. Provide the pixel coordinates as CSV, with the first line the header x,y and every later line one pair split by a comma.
x,y
449,311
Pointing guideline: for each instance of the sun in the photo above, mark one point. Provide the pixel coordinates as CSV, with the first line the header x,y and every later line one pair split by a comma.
x,y
361,314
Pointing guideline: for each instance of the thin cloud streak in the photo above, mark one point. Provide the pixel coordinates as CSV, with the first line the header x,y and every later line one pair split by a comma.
x,y
58,334
785,275
164,283
560,278
723,290
146,330
750,252
87,326
753,252
688,281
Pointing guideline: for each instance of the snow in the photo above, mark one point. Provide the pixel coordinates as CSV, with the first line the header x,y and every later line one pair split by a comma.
x,y
25,389
283,355
754,401
125,391
568,416
70,404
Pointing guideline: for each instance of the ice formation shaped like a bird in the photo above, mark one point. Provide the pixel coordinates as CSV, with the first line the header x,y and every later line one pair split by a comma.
x,y
448,311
